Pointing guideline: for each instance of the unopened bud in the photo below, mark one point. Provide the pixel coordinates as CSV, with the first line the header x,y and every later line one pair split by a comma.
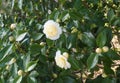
x,y
7,67
12,26
49,11
13,60
11,38
58,20
74,50
54,75
106,25
20,72
42,43
74,30
98,50
104,75
40,0
65,54
105,49
31,39
115,6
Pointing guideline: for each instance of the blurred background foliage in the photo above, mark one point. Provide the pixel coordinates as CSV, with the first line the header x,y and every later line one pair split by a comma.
x,y
26,56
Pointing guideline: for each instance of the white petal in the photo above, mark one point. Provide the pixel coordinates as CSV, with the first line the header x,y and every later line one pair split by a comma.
x,y
58,53
68,65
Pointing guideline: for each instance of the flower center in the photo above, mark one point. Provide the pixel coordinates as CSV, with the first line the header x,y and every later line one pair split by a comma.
x,y
62,61
52,30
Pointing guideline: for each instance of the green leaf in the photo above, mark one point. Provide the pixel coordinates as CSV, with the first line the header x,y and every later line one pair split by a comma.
x,y
18,79
34,74
65,17
108,80
71,41
88,39
74,63
101,38
54,15
75,15
6,59
110,14
20,3
69,80
21,36
5,51
13,3
92,60
31,65
107,62
2,80
58,80
31,80
49,42
35,49
77,4
113,55
26,60
37,36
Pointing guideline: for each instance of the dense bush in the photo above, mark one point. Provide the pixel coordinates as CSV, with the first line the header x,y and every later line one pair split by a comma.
x,y
59,41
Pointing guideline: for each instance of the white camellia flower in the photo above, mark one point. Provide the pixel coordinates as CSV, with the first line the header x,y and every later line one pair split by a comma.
x,y
52,30
61,61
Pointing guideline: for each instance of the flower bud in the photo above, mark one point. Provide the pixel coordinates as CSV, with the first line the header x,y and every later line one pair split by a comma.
x,y
65,54
106,25
105,49
104,75
54,75
12,26
74,30
31,40
114,6
58,20
11,38
42,43
7,67
40,1
74,50
49,11
13,60
20,72
98,50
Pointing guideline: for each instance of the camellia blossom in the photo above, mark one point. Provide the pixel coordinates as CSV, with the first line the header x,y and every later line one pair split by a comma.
x,y
52,30
61,60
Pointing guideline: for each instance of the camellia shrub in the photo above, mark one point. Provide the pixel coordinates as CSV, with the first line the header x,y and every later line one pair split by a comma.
x,y
59,41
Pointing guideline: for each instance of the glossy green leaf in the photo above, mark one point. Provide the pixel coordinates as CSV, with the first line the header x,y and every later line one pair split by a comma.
x,y
58,80
20,3
50,42
74,64
92,60
5,51
13,3
110,14
18,79
88,39
69,80
101,39
108,80
31,80
34,74
35,49
31,65
21,36
37,36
